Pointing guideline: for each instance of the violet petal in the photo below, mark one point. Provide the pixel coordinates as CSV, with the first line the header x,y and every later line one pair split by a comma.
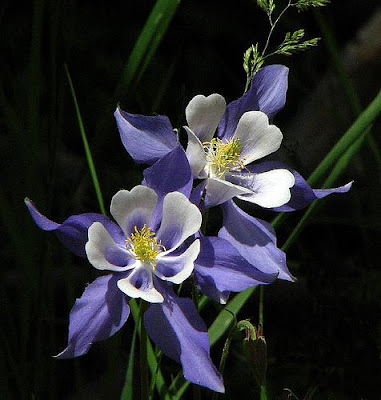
x,y
178,330
99,313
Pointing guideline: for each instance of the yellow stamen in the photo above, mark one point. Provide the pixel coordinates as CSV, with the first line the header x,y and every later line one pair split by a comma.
x,y
223,157
144,246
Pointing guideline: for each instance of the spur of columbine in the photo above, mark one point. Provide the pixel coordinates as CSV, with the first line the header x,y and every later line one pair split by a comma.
x,y
144,254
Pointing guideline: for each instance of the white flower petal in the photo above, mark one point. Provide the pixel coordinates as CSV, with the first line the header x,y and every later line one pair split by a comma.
x,y
103,253
203,115
196,155
139,284
218,191
270,189
176,269
180,220
133,208
257,137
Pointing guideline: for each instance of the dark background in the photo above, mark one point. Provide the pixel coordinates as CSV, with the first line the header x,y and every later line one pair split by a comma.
x,y
323,332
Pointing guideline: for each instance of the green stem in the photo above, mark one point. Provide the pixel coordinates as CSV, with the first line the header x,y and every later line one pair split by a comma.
x,y
152,361
144,382
263,392
261,303
345,80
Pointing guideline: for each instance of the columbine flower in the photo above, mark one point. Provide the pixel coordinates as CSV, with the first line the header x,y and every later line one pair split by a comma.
x,y
222,161
144,253
244,133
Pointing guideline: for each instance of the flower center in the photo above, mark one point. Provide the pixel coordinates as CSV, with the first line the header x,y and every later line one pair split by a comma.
x,y
144,246
223,157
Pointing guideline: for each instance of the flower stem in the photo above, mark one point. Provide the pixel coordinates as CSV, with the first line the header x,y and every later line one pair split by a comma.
x,y
144,384
263,393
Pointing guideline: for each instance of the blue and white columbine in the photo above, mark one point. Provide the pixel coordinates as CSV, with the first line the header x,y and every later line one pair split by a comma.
x,y
222,161
223,141
144,254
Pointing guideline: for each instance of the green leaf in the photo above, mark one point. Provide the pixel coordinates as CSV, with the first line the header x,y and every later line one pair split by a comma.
x,y
303,5
127,392
151,357
292,43
267,6
86,146
147,43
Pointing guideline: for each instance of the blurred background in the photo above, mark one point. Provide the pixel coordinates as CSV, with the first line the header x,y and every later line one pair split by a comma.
x,y
324,331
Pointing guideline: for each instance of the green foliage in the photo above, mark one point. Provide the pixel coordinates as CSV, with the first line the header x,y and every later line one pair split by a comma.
x,y
292,43
303,5
253,59
252,62
267,6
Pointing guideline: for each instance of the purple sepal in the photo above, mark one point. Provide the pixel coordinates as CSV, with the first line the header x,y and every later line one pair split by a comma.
x,y
73,231
171,173
178,330
267,93
99,313
255,241
301,193
220,269
197,193
146,138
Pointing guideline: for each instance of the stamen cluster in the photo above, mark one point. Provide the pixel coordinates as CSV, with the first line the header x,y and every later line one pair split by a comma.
x,y
223,156
144,246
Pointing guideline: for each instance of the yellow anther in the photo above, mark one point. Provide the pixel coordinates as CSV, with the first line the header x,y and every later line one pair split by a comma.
x,y
223,157
144,246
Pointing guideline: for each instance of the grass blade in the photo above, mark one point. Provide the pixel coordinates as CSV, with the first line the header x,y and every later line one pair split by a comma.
x,y
147,43
86,146
364,120
127,393
151,357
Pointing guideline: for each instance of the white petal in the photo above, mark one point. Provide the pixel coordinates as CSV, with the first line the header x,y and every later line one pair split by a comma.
x,y
180,220
176,269
270,189
103,253
139,284
257,137
203,115
196,155
218,191
133,208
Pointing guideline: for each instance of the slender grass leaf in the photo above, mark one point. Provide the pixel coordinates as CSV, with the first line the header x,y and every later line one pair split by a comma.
x,y
86,146
147,43
127,392
151,357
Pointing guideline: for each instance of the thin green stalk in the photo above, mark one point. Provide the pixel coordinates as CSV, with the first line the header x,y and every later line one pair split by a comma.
x,y
224,356
357,129
86,146
128,392
336,172
161,386
346,82
154,377
261,304
263,393
148,41
144,386
221,324
352,134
